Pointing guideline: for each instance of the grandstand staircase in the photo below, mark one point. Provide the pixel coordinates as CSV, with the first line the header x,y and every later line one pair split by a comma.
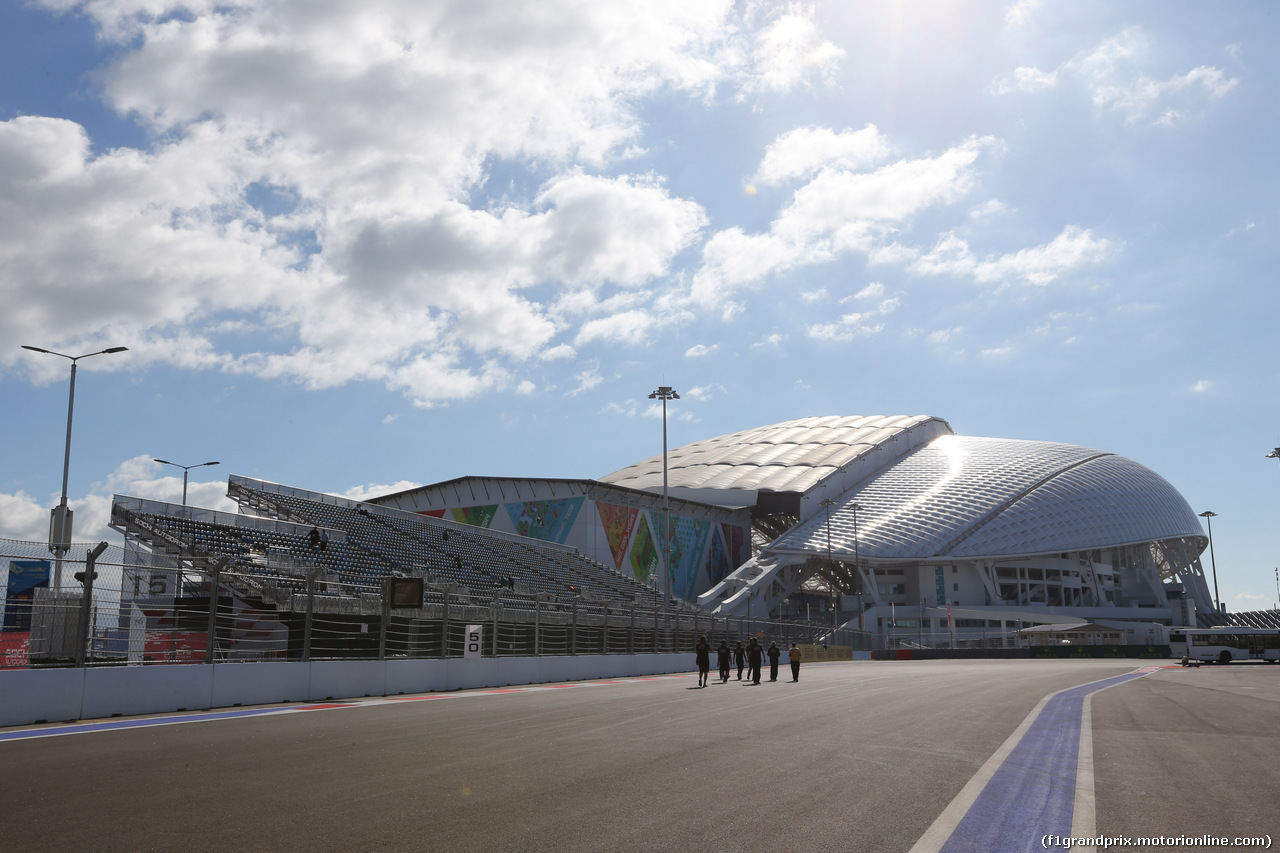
x,y
757,587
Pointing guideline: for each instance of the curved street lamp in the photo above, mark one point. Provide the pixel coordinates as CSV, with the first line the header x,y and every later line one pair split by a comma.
x,y
1209,516
185,469
60,517
665,393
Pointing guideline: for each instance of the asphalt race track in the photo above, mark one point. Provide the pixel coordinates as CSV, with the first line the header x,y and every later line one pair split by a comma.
x,y
855,757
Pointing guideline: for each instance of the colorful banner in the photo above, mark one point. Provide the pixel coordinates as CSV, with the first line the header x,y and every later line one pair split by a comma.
x,y
434,513
644,556
718,567
688,544
25,576
735,539
549,521
619,524
476,516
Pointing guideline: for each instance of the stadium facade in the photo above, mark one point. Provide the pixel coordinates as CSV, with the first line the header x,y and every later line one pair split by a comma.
x,y
914,531
890,523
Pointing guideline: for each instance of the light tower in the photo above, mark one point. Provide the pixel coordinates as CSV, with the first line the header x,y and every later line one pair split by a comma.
x,y
1209,516
665,393
185,470
60,517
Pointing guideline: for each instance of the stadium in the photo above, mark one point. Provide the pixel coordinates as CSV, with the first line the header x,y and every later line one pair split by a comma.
x,y
891,525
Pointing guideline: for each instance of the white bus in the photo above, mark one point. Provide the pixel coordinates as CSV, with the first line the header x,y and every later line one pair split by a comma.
x,y
1225,644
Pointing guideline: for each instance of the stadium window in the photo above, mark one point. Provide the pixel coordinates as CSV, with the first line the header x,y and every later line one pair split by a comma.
x,y
955,587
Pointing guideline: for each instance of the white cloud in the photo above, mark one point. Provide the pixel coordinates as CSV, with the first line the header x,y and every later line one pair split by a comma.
x,y
944,336
874,290
853,325
1110,74
1020,12
1201,386
803,152
318,183
375,490
813,295
988,210
788,52
1073,248
587,379
700,350
836,212
26,517
703,392
558,352
771,341
628,327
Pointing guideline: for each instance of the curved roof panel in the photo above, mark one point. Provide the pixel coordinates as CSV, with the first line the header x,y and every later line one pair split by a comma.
x,y
792,456
963,497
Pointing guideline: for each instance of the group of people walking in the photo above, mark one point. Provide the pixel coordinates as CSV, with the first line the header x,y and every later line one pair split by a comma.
x,y
751,658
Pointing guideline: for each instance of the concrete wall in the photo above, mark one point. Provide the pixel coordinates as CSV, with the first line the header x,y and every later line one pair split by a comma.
x,y
56,695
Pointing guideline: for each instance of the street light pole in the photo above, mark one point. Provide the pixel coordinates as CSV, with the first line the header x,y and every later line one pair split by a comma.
x,y
855,506
185,470
1209,516
60,517
665,393
827,503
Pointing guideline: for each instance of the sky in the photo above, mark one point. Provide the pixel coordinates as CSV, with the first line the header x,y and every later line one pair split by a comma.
x,y
353,247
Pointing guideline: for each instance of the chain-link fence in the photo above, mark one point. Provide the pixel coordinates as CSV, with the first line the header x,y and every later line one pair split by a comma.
x,y
117,606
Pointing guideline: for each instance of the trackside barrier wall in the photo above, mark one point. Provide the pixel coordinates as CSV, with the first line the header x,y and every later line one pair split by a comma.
x,y
30,696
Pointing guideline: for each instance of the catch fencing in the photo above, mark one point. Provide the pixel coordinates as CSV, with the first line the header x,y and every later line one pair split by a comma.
x,y
121,606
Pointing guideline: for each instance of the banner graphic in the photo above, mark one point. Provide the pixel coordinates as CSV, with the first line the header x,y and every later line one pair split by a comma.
x,y
688,545
734,539
644,555
718,567
619,523
549,521
476,516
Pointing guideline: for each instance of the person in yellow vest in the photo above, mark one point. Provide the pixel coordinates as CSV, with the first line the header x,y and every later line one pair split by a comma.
x,y
793,655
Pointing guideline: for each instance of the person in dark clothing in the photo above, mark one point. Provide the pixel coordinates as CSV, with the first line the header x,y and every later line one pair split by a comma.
x,y
774,653
702,654
740,658
755,657
314,538
723,657
794,654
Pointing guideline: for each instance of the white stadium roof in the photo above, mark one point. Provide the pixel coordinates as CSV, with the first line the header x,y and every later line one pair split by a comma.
x,y
793,456
970,498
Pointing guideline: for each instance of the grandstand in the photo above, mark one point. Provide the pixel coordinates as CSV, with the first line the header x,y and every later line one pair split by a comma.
x,y
1251,619
269,541
888,523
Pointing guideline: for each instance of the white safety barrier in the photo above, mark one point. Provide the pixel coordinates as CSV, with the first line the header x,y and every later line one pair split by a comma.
x,y
30,696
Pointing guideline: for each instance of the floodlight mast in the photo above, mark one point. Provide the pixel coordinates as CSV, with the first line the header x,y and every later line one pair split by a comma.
x,y
857,569
827,503
665,393
61,516
185,469
1209,516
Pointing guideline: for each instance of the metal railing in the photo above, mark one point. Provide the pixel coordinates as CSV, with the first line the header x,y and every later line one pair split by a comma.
x,y
123,606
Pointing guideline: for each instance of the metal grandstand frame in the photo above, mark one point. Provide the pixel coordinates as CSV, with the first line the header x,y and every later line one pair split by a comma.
x,y
147,608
